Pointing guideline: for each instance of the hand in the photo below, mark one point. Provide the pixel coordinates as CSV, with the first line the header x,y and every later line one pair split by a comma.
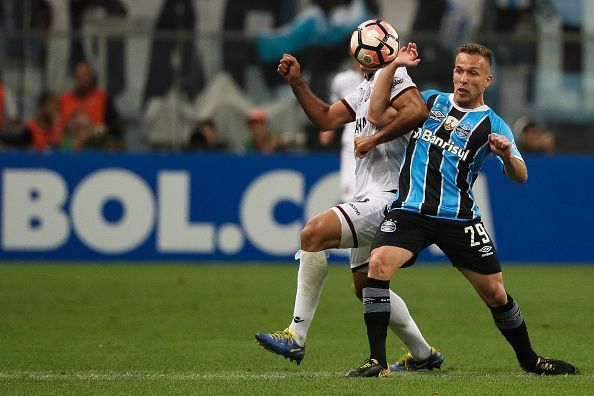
x,y
289,69
500,145
407,56
326,137
363,145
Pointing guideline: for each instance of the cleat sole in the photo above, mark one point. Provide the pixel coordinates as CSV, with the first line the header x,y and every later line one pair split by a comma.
x,y
269,349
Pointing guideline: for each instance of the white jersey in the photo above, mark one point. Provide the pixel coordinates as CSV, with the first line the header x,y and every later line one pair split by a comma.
x,y
380,169
343,84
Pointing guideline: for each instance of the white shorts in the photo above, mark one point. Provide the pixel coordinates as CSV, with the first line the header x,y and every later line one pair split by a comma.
x,y
359,220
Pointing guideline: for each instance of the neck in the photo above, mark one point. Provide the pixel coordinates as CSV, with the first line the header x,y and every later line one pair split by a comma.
x,y
474,105
368,75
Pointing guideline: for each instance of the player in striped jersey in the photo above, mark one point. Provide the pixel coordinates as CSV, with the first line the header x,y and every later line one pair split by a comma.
x,y
435,204
352,224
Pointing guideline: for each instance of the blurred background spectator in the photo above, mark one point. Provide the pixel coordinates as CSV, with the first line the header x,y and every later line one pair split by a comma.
x,y
165,65
9,116
533,138
205,137
260,139
88,110
42,132
83,133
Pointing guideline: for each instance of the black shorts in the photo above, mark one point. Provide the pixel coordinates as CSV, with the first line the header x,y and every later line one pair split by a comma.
x,y
466,243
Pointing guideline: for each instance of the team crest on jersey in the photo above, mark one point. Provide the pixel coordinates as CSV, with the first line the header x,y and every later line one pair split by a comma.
x,y
388,226
450,123
463,130
436,115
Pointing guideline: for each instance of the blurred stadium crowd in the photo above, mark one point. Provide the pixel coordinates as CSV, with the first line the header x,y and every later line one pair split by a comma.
x,y
200,74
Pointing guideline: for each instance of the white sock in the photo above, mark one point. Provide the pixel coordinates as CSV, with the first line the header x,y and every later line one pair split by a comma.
x,y
313,268
406,329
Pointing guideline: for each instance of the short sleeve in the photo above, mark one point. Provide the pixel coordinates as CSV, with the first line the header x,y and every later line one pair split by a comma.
x,y
502,128
427,94
402,82
353,100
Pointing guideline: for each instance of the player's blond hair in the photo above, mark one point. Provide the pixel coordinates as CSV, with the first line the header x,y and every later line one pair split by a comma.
x,y
476,49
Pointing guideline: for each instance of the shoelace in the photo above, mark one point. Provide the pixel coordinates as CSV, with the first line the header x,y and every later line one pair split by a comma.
x,y
366,363
404,360
282,335
547,366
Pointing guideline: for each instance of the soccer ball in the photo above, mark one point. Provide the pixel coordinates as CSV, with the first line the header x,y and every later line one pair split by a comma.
x,y
374,43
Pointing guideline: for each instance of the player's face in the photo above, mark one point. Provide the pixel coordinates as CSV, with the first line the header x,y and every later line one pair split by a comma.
x,y
472,75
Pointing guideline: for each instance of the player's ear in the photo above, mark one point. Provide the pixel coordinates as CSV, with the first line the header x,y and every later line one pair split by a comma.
x,y
489,80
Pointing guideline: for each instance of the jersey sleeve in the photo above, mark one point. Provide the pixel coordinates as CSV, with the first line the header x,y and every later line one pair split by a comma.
x,y
353,100
428,94
401,83
502,128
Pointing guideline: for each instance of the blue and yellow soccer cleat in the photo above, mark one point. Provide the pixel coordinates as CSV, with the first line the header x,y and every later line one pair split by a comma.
x,y
407,363
282,343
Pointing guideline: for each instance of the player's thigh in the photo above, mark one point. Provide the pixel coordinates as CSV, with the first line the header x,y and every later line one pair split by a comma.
x,y
468,245
359,219
360,264
385,260
405,230
321,232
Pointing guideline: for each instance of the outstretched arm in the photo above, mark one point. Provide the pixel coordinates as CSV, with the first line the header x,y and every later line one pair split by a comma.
x,y
515,169
325,117
380,111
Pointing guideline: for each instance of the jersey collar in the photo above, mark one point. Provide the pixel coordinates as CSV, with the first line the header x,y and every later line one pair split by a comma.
x,y
480,108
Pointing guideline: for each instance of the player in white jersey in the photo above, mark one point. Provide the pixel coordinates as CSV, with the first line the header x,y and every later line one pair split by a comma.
x,y
343,84
353,224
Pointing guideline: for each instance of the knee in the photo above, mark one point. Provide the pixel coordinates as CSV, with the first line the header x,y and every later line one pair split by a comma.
x,y
311,237
375,264
378,266
496,296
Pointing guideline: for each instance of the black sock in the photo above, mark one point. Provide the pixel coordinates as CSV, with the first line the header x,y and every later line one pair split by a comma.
x,y
376,308
510,323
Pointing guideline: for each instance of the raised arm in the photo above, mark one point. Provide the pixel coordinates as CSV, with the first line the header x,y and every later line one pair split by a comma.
x,y
324,116
380,111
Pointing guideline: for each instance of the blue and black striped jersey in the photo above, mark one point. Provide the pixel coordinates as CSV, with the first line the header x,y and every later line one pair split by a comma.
x,y
444,156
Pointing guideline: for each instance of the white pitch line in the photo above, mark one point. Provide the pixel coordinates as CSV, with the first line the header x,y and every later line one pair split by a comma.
x,y
111,376
232,376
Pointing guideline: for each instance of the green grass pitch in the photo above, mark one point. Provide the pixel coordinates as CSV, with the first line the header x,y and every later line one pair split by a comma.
x,y
189,329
